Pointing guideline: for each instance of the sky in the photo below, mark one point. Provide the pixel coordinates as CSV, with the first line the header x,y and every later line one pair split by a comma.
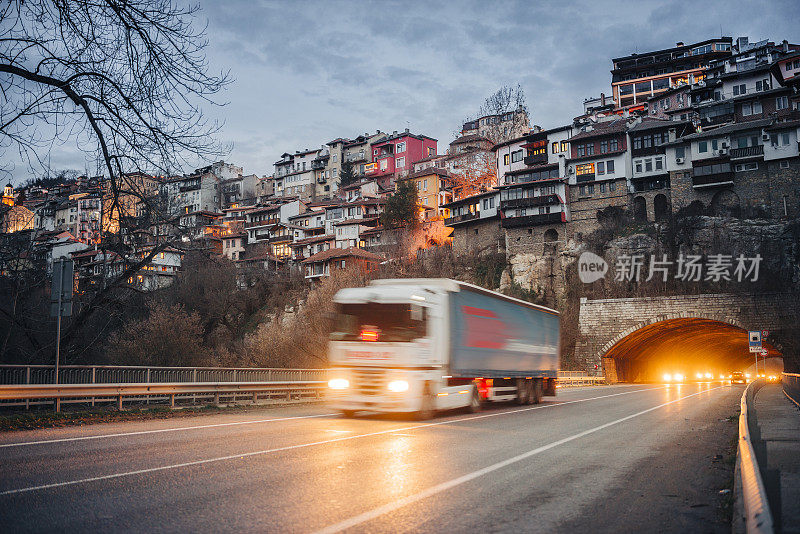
x,y
307,72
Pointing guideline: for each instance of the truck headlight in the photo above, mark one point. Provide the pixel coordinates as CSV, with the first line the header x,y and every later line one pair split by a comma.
x,y
398,386
338,383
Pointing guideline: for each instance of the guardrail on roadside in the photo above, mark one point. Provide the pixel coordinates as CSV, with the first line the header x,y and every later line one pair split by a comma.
x,y
791,387
25,394
108,374
757,515
567,381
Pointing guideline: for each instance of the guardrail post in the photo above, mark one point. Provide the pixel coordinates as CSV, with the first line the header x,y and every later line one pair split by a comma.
x,y
119,402
172,401
255,397
194,379
27,381
147,399
94,376
216,398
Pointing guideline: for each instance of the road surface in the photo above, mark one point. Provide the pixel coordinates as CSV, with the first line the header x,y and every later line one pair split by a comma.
x,y
598,459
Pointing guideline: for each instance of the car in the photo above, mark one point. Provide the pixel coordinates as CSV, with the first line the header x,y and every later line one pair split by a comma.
x,y
737,377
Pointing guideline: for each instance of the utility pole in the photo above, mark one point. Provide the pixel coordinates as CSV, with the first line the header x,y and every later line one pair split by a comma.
x,y
60,305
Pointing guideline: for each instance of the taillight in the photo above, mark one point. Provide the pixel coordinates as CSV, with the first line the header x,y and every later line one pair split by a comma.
x,y
369,335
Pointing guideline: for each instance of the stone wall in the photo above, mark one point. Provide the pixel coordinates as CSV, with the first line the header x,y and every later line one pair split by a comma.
x,y
480,236
583,208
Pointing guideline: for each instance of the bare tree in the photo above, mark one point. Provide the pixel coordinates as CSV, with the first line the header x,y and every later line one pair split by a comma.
x,y
124,82
503,115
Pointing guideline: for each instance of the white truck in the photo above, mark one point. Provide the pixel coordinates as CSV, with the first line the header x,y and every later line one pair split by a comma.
x,y
423,345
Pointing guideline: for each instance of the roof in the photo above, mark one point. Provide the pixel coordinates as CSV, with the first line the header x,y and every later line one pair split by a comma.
x,y
601,129
470,198
728,128
260,257
334,253
315,239
400,135
426,172
784,124
365,220
307,214
675,48
655,124
469,139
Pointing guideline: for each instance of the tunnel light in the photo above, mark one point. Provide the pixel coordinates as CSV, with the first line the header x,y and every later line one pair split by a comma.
x,y
722,377
699,375
677,377
667,377
709,376
747,375
338,383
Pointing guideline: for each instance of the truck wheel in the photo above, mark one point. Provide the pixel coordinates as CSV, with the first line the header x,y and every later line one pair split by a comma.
x,y
475,401
538,391
348,414
523,391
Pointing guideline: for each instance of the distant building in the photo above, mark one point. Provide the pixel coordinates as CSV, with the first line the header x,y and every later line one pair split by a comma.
x,y
500,127
394,156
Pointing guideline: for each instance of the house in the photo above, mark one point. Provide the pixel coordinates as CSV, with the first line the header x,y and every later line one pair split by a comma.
x,y
395,155
324,263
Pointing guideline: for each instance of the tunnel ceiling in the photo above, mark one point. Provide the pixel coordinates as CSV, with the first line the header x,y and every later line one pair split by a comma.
x,y
687,343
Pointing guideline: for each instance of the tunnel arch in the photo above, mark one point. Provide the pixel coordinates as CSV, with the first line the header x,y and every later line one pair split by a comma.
x,y
679,342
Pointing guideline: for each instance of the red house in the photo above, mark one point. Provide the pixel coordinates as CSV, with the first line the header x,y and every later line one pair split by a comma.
x,y
396,154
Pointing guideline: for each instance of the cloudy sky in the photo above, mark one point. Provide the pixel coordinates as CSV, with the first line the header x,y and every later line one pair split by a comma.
x,y
308,72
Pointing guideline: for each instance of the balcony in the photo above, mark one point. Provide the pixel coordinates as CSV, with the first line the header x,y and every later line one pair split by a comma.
x,y
713,180
185,188
581,178
280,239
535,160
317,164
544,200
533,220
747,152
268,222
460,218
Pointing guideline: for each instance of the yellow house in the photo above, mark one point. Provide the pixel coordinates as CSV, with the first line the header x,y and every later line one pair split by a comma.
x,y
434,189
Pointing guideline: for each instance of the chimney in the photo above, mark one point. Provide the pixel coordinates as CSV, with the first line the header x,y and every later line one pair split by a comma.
x,y
394,132
785,46
679,43
602,99
673,134
406,130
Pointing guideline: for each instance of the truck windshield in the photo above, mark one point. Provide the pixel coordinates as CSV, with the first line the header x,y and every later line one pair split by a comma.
x,y
386,322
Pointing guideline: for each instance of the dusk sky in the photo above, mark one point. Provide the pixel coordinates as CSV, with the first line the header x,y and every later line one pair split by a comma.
x,y
308,72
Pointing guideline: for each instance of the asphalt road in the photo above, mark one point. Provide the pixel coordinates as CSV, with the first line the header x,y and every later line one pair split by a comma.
x,y
600,459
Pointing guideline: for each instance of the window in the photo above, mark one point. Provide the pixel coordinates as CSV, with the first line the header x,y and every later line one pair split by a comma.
x,y
516,156
714,144
602,188
400,147
505,159
603,147
638,166
784,164
702,146
334,158
564,146
751,108
590,189
400,163
613,145
612,186
590,149
610,166
582,191
555,147
746,167
586,168
680,152
782,102
648,165
659,163
739,89
601,167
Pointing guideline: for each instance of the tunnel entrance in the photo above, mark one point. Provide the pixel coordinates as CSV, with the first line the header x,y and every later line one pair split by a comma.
x,y
689,346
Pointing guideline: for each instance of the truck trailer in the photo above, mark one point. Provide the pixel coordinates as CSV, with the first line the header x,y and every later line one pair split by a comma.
x,y
424,345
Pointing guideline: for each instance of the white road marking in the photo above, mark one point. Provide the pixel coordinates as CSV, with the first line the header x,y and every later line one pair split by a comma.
x,y
405,501
138,433
300,446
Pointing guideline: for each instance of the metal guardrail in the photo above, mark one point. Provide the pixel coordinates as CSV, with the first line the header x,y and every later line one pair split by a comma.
x,y
102,374
567,381
757,515
58,393
791,387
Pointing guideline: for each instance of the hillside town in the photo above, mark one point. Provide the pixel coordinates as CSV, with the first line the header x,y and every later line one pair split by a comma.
x,y
707,128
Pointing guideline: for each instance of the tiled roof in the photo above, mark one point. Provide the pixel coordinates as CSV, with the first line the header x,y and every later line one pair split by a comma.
x,y
601,129
469,139
315,239
333,253
728,128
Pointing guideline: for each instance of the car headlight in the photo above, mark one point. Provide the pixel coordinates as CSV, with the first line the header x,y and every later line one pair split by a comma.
x,y
338,383
398,386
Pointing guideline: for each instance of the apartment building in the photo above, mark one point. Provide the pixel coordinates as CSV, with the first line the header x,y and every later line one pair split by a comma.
x,y
394,156
295,176
500,127
637,77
